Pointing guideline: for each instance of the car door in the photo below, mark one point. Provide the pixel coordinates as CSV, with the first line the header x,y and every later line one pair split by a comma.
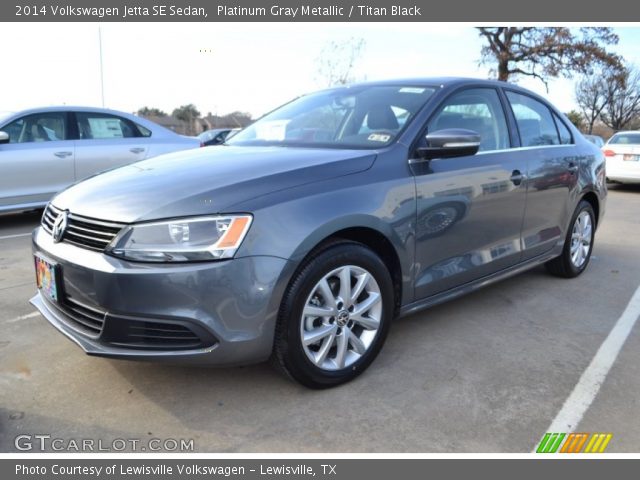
x,y
38,160
553,173
469,208
106,141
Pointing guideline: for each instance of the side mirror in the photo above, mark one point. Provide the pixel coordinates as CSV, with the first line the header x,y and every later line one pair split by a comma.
x,y
449,143
4,137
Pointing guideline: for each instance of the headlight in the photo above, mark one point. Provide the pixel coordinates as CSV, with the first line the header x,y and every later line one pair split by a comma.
x,y
182,240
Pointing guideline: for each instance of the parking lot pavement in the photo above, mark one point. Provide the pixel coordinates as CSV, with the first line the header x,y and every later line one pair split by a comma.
x,y
485,373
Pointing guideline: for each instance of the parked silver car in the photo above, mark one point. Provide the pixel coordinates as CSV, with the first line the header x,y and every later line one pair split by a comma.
x,y
42,151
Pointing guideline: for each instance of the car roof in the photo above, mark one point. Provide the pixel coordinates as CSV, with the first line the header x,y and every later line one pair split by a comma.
x,y
75,108
446,82
438,82
427,81
156,128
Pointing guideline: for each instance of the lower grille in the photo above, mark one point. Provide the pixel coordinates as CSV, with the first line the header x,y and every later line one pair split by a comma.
x,y
165,335
82,231
83,318
162,334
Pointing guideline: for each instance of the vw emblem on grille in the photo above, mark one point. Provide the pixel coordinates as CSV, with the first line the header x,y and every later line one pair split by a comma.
x,y
59,226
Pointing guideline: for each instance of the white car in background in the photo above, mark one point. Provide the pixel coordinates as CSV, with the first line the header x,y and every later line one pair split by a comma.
x,y
42,151
622,152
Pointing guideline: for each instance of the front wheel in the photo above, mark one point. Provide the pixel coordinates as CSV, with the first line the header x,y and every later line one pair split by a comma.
x,y
578,244
334,316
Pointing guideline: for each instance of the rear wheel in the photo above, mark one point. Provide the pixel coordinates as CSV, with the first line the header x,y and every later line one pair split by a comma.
x,y
334,316
578,244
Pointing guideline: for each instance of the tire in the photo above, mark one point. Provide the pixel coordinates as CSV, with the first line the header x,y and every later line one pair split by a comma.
x,y
342,337
577,245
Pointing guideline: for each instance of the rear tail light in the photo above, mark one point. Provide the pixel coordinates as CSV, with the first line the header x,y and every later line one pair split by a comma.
x,y
609,153
201,144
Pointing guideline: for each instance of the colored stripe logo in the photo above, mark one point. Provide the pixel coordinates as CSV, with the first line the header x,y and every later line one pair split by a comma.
x,y
574,443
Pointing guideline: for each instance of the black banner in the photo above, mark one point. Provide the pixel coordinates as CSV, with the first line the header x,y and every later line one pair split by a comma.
x,y
486,11
334,469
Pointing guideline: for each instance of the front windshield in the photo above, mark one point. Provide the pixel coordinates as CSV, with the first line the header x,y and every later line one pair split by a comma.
x,y
349,117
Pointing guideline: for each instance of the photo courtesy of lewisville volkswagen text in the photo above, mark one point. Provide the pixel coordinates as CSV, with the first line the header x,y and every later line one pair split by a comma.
x,y
248,239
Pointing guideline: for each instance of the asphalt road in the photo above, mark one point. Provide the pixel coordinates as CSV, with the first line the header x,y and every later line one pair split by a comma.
x,y
488,372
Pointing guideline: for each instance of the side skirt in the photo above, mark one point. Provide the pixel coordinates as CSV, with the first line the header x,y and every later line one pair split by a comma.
x,y
479,283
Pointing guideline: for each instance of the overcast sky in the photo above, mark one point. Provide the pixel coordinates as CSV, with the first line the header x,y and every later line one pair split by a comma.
x,y
221,67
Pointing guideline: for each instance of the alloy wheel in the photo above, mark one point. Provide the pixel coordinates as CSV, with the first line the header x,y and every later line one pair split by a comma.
x,y
341,318
581,237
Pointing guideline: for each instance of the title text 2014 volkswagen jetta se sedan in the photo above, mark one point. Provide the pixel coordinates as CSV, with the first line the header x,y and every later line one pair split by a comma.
x,y
306,234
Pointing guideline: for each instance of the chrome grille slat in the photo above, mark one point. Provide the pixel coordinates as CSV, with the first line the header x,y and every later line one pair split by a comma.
x,y
84,245
84,232
76,234
88,230
93,221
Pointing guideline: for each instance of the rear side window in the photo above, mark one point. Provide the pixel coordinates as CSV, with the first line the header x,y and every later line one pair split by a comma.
x,y
100,126
477,109
535,123
144,132
39,127
565,134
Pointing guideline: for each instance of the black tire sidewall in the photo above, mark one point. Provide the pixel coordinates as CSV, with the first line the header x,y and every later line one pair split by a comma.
x,y
295,359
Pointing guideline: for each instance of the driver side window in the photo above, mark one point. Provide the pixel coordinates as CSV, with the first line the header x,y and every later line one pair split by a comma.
x,y
477,109
39,127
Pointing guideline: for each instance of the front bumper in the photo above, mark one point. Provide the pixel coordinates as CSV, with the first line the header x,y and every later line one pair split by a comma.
x,y
214,313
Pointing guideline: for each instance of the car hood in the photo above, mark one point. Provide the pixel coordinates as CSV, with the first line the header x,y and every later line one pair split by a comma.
x,y
204,181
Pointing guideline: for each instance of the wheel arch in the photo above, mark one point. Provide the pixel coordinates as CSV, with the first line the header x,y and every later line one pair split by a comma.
x,y
592,198
374,234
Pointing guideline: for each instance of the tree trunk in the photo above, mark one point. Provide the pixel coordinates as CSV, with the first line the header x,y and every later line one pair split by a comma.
x,y
503,70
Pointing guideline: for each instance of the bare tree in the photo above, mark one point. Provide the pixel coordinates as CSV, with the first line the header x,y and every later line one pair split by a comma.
x,y
547,52
337,60
623,100
591,94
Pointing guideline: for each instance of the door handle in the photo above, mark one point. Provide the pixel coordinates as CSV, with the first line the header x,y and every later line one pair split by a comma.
x,y
136,150
572,168
517,177
62,154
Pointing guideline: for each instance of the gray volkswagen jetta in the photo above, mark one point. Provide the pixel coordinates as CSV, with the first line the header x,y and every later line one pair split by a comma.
x,y
304,236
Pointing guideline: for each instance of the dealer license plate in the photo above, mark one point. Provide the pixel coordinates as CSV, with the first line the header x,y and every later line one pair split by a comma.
x,y
46,278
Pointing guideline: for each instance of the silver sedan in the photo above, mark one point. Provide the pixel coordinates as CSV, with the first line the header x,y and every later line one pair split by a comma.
x,y
42,151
